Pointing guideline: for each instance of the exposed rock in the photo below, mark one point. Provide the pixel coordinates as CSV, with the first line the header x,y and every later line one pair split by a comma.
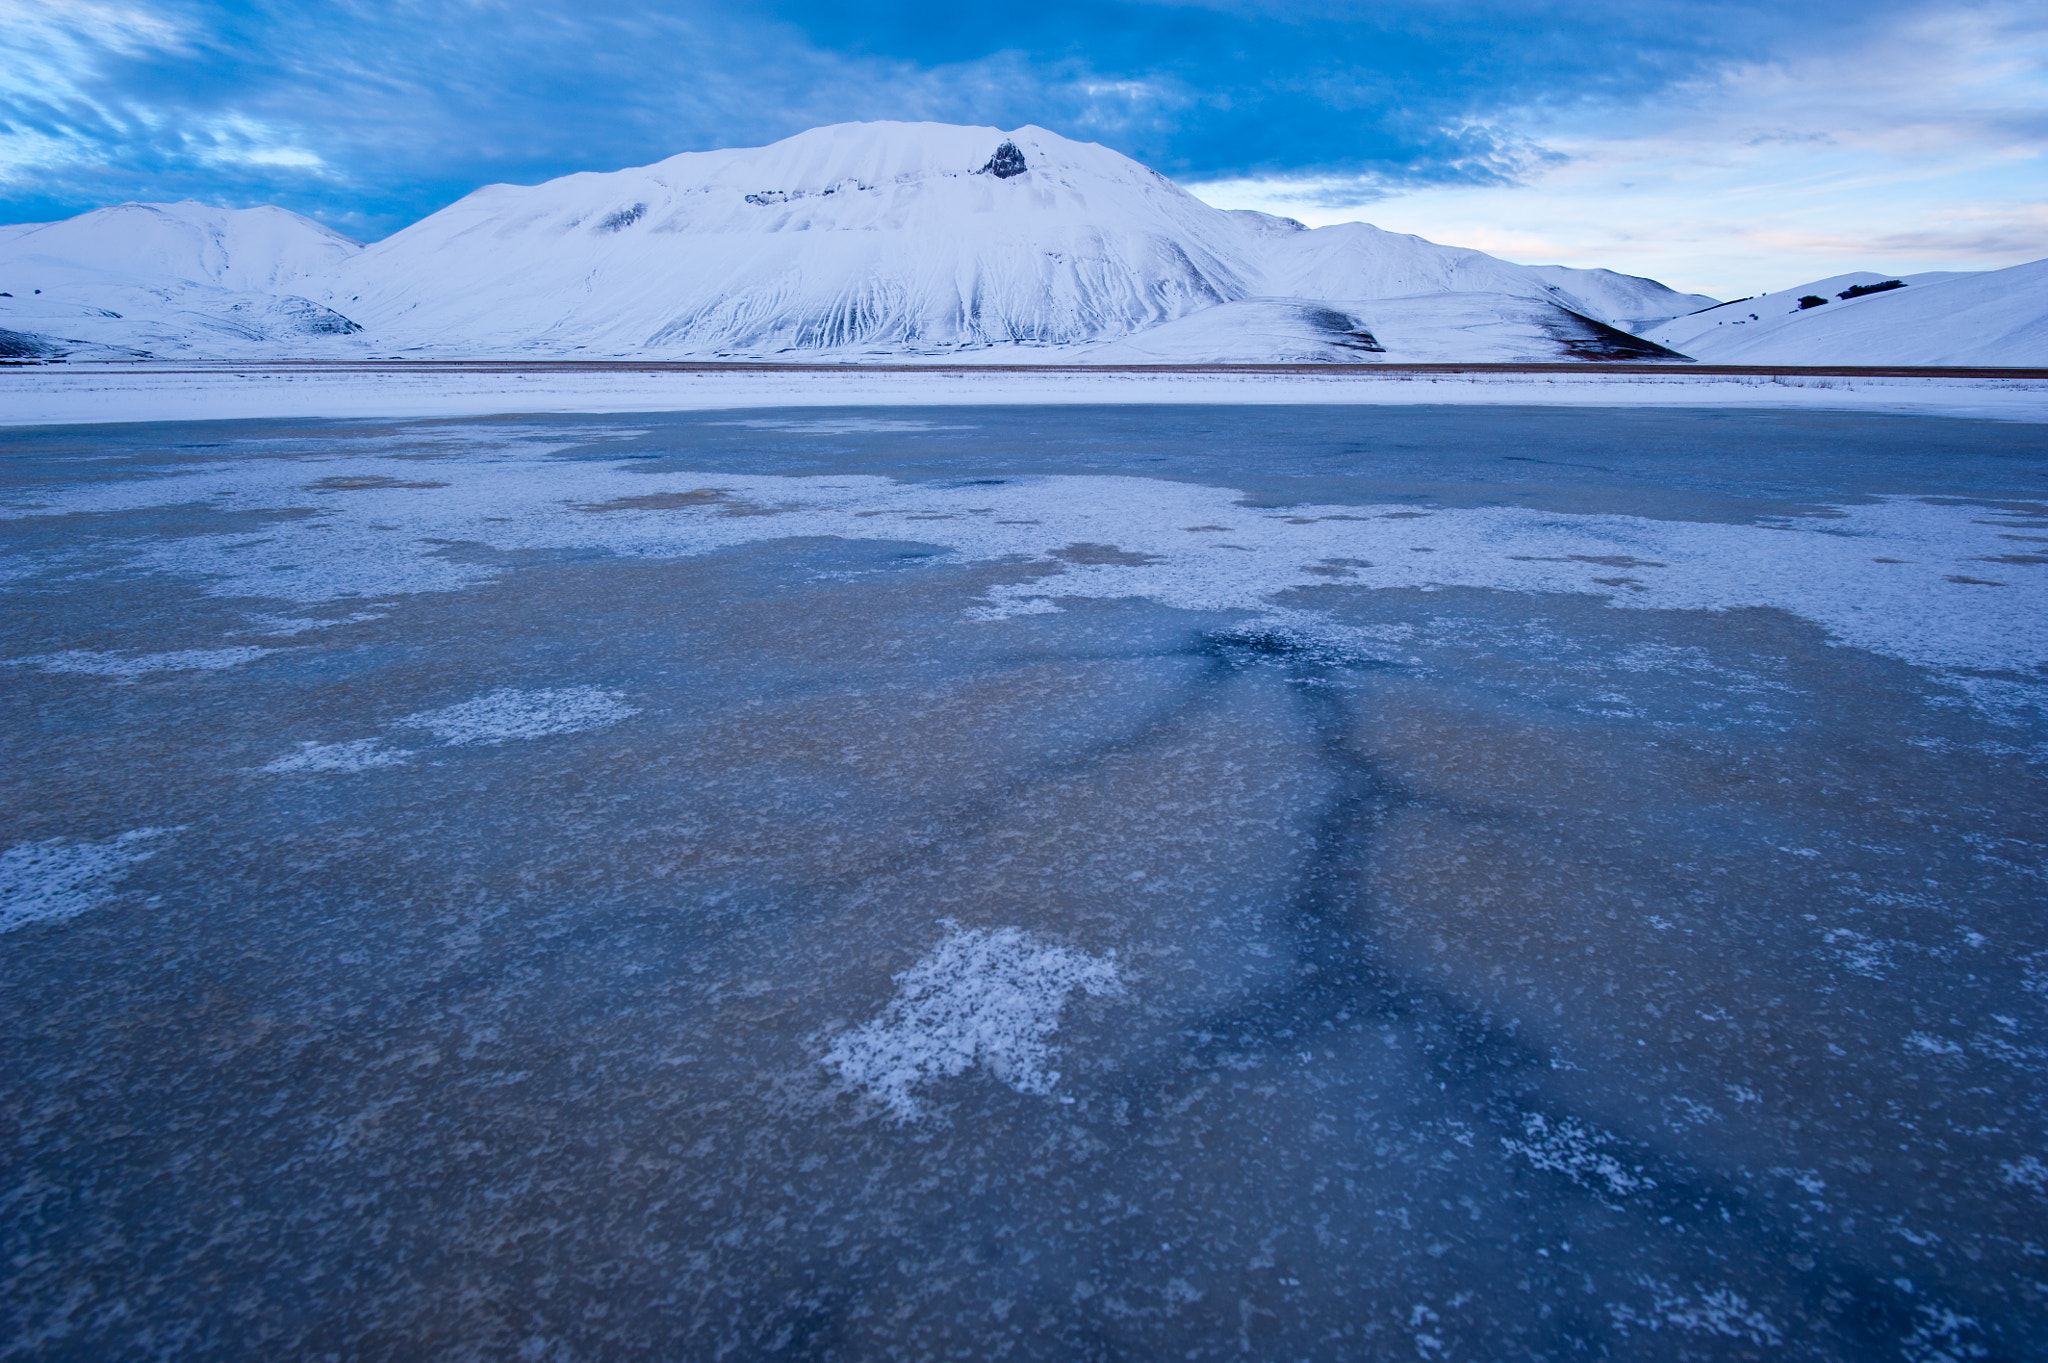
x,y
1343,330
1006,162
1584,338
26,345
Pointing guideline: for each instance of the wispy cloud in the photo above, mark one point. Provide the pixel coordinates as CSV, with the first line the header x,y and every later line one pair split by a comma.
x,y
1920,145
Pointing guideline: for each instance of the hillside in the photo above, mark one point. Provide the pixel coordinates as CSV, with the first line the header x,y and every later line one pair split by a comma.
x,y
902,239
1994,318
169,279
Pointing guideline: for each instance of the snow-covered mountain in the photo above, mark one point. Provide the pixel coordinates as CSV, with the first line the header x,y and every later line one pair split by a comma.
x,y
912,241
1995,318
169,279
902,238
1356,260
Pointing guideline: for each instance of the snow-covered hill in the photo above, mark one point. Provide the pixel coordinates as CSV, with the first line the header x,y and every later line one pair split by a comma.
x,y
1997,318
899,239
1356,260
860,238
914,241
169,279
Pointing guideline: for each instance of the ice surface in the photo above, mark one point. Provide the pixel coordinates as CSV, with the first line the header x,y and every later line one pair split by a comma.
x,y
56,879
987,998
1217,882
1917,579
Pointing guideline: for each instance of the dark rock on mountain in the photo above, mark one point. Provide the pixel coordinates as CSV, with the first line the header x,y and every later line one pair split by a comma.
x,y
1584,338
26,345
1343,329
1006,162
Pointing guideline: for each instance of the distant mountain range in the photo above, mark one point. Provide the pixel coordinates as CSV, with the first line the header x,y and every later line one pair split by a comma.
x,y
915,242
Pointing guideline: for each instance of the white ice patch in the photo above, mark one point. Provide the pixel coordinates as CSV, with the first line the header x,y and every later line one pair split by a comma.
x,y
1942,1336
56,879
282,625
1005,605
1924,581
1719,1311
989,998
114,665
1573,1149
357,755
850,425
508,713
2026,1172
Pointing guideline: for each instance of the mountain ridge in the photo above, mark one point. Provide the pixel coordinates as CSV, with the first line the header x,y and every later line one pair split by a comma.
x,y
898,241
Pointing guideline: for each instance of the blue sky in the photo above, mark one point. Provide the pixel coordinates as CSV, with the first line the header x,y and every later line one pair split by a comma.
x,y
1725,145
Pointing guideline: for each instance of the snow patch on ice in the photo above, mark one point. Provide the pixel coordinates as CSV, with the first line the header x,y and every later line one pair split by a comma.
x,y
97,664
2026,1172
851,425
356,755
1004,605
283,625
1942,1336
1720,1311
988,998
509,713
1569,1147
502,502
56,879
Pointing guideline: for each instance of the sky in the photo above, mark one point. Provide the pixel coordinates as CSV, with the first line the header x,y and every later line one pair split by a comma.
x,y
1723,146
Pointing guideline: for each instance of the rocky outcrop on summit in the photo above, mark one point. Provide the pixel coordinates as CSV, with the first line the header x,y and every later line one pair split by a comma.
x,y
1007,162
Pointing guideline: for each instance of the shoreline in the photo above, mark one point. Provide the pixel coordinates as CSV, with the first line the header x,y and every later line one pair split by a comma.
x,y
119,393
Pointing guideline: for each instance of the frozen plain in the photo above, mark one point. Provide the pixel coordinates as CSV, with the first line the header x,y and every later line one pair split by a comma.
x,y
1429,881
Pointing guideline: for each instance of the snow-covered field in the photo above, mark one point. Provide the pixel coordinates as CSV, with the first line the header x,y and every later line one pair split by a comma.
x,y
1126,880
90,394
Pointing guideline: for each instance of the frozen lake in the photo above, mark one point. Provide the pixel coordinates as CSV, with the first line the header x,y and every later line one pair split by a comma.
x,y
1194,882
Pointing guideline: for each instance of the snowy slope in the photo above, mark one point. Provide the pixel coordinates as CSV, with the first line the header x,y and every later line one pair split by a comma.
x,y
903,239
880,237
1432,328
1995,318
1356,260
170,279
900,240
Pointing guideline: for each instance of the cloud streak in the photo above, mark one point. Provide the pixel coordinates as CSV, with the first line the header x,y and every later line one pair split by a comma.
x,y
1918,145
